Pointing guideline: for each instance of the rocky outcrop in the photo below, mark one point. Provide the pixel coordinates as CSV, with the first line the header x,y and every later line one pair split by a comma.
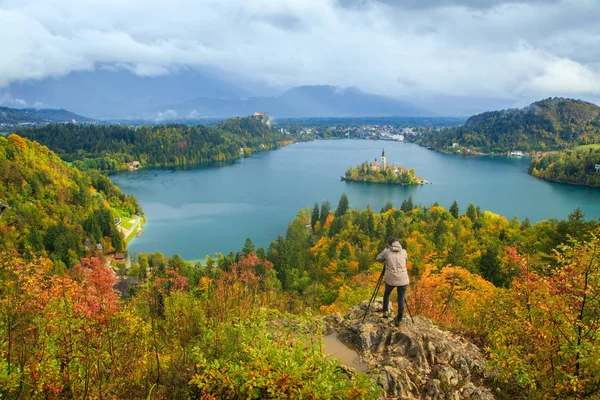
x,y
414,360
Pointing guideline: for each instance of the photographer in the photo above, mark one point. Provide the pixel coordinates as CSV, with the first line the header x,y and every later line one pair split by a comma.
x,y
396,276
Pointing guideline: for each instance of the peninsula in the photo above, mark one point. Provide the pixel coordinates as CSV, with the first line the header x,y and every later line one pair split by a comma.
x,y
382,173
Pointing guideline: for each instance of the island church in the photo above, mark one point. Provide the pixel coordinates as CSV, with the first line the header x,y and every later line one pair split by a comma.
x,y
375,165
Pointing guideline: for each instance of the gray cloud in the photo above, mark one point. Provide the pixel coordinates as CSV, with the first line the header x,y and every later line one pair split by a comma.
x,y
503,49
475,4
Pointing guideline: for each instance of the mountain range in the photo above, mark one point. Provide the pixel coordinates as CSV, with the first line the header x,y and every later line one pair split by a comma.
x,y
120,95
303,101
14,116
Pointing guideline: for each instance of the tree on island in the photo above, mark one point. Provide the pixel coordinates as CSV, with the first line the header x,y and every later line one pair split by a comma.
x,y
374,173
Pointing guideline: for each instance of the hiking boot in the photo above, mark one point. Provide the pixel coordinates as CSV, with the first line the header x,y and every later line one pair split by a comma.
x,y
397,320
386,314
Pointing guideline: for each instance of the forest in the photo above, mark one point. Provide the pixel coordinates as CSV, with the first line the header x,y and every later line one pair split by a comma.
x,y
51,208
389,174
109,148
247,324
577,166
546,125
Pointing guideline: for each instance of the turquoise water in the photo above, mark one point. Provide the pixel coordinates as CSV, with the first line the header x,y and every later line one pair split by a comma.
x,y
202,211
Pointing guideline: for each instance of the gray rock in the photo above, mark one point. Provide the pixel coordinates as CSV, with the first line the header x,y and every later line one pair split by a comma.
x,y
415,360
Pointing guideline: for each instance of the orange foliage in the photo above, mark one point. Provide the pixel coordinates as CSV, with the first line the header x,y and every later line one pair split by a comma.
x,y
328,221
453,296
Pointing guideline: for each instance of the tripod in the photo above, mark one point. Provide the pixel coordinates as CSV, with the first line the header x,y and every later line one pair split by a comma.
x,y
374,295
377,287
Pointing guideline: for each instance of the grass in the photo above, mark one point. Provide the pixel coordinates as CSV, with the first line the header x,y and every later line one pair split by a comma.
x,y
588,146
134,232
125,222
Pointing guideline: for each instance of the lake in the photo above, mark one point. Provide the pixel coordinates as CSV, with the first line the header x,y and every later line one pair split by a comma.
x,y
214,209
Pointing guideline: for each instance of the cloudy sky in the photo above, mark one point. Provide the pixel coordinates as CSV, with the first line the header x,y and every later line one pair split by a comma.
x,y
477,48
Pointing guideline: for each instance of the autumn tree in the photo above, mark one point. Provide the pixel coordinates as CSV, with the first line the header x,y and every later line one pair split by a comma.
x,y
544,331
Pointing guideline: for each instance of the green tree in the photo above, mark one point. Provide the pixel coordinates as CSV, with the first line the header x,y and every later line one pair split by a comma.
x,y
315,215
407,204
325,210
490,267
471,212
342,207
248,246
454,209
388,206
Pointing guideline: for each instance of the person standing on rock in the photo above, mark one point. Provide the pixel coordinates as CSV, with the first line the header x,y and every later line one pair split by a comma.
x,y
396,276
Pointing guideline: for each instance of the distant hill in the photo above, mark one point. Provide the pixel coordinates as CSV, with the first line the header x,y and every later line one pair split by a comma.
x,y
576,166
16,116
298,102
550,124
112,147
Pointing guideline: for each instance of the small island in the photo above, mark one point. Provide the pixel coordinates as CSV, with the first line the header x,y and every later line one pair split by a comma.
x,y
382,173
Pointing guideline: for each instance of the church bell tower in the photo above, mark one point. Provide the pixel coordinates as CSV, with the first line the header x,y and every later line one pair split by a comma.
x,y
383,165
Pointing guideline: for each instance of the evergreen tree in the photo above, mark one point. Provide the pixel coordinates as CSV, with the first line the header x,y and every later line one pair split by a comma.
x,y
388,206
454,209
325,209
345,253
248,246
407,204
342,207
490,267
260,252
315,215
471,212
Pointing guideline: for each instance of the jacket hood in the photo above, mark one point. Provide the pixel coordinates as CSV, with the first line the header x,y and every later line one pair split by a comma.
x,y
396,246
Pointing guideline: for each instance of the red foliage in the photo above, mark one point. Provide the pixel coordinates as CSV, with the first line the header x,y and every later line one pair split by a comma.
x,y
96,297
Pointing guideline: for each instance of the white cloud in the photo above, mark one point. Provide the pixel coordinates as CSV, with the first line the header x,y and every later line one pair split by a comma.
x,y
6,99
166,115
194,114
468,48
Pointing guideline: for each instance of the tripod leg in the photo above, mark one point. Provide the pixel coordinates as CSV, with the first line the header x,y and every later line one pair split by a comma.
x,y
374,295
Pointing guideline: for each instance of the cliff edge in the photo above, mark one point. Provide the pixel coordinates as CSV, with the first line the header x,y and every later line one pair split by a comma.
x,y
414,360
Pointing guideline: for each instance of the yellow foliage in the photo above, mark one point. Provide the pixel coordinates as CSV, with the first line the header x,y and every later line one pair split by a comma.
x,y
331,309
204,283
321,245
353,267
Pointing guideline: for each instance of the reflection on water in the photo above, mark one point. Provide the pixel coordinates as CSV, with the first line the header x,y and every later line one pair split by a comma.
x,y
348,357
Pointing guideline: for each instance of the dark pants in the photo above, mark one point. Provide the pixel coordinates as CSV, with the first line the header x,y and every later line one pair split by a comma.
x,y
401,296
